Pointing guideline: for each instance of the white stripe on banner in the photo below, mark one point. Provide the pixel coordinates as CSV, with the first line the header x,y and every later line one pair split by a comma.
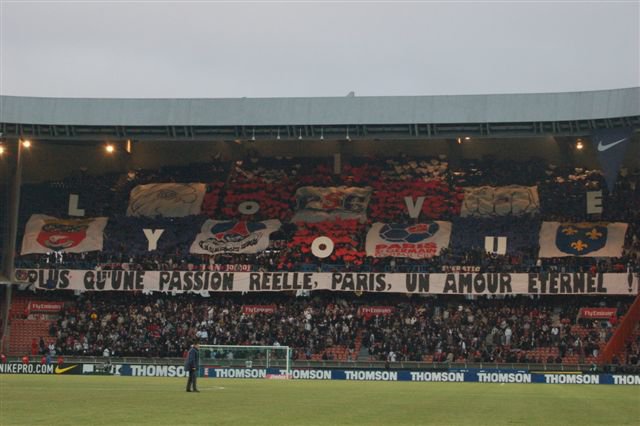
x,y
453,283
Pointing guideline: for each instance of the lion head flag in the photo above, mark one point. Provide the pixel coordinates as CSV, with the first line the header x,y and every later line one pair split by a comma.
x,y
166,199
415,241
489,201
44,234
586,239
318,204
232,236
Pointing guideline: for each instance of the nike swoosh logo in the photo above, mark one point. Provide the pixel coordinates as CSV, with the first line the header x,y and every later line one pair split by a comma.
x,y
59,370
603,148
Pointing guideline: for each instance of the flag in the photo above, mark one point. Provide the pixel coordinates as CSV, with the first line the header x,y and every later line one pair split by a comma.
x,y
230,236
319,204
416,241
611,145
44,234
521,234
166,199
586,239
489,201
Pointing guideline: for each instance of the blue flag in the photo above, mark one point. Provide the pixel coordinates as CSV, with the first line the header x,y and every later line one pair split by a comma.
x,y
501,235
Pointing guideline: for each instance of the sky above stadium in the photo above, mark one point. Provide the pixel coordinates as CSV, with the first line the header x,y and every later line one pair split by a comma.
x,y
288,49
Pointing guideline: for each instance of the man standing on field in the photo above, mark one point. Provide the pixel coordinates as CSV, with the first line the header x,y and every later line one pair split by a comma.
x,y
192,365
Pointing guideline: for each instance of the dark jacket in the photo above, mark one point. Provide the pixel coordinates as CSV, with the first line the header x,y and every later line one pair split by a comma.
x,y
193,359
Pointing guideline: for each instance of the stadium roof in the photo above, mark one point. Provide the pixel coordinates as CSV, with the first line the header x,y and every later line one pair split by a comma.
x,y
575,113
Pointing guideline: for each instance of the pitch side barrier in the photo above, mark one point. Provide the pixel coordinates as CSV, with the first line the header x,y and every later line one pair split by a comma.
x,y
382,375
481,376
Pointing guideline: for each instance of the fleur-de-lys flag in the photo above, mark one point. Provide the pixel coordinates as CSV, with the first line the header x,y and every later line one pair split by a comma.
x,y
44,234
585,239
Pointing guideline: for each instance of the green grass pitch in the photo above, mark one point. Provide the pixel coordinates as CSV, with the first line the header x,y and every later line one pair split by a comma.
x,y
105,400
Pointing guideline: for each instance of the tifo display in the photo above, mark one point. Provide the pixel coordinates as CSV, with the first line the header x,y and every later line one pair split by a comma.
x,y
392,215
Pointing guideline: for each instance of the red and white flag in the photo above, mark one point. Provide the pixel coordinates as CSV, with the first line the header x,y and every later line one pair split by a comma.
x,y
44,234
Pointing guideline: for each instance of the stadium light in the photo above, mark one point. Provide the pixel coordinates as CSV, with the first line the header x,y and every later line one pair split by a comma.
x,y
579,144
467,138
109,148
26,143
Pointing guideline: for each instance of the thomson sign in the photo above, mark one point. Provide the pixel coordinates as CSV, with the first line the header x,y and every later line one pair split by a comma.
x,y
468,375
136,370
481,376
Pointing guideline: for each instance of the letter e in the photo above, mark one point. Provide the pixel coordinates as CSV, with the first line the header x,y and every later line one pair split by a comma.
x,y
594,202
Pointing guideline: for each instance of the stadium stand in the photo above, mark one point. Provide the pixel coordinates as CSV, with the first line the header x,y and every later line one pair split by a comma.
x,y
326,326
329,327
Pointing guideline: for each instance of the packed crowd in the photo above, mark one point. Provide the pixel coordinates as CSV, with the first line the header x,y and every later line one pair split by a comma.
x,y
390,328
273,183
486,330
161,325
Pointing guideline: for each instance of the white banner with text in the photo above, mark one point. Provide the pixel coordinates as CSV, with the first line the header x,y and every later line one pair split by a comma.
x,y
415,283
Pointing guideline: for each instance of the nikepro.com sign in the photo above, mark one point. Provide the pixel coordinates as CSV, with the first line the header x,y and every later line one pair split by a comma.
x,y
20,368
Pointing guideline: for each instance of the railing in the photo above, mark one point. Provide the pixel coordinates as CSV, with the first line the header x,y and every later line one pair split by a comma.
x,y
628,324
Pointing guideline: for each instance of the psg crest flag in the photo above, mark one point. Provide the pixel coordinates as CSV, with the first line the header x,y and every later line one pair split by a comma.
x,y
611,145
416,241
230,236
